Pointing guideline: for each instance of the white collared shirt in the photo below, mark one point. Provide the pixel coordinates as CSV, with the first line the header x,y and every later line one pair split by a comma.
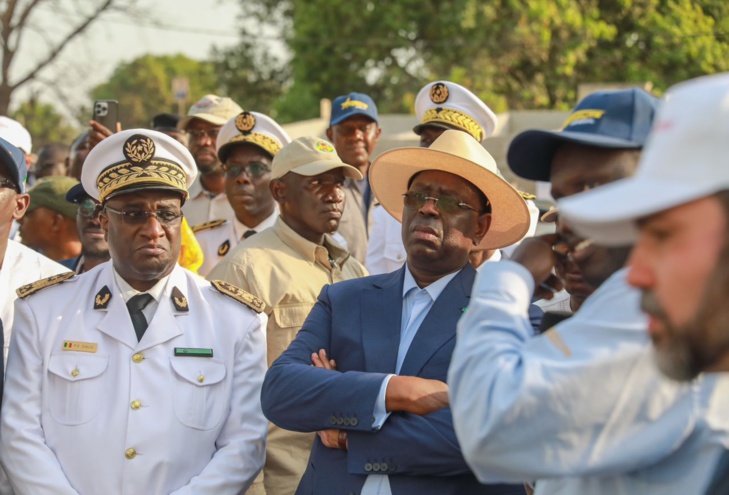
x,y
127,292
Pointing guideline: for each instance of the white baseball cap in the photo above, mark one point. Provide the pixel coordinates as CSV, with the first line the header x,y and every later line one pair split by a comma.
x,y
685,158
450,105
13,132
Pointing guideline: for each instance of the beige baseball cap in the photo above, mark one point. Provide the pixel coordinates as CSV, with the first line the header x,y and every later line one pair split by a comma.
x,y
309,156
211,108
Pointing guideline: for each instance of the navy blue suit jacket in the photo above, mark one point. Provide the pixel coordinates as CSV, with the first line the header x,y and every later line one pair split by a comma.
x,y
358,323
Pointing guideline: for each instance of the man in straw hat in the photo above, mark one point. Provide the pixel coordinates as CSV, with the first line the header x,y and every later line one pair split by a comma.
x,y
287,266
246,146
675,209
136,376
381,345
581,408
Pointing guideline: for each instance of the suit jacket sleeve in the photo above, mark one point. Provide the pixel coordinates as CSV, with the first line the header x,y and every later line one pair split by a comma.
x,y
30,464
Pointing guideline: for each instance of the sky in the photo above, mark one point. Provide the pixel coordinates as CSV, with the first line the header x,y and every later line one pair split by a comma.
x,y
166,27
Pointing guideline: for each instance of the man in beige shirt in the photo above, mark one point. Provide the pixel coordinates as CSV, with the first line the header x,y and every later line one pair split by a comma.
x,y
288,264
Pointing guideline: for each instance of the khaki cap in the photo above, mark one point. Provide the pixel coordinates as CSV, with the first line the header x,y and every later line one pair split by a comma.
x,y
211,108
309,156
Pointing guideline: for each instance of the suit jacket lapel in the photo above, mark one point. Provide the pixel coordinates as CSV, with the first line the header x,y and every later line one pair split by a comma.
x,y
117,323
381,309
164,325
439,326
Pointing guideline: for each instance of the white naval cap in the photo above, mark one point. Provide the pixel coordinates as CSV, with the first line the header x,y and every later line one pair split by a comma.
x,y
13,132
450,105
134,160
251,127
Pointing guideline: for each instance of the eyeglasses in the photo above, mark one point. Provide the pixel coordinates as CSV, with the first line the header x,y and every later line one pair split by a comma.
x,y
140,217
252,170
199,134
444,204
89,208
7,183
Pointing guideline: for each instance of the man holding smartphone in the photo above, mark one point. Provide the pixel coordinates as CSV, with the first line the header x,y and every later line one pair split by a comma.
x,y
207,195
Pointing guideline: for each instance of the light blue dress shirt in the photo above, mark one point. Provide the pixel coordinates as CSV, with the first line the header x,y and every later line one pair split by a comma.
x,y
416,304
581,408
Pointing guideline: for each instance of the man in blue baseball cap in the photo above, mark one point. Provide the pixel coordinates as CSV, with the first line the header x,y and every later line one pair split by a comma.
x,y
354,130
580,408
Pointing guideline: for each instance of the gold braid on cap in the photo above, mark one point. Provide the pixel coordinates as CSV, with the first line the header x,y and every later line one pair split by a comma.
x,y
141,167
455,118
266,142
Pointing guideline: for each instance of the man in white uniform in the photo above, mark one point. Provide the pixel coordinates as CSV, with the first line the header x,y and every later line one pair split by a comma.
x,y
136,376
246,144
19,265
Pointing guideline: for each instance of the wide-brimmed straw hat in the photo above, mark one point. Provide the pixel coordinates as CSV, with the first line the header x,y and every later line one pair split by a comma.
x,y
457,153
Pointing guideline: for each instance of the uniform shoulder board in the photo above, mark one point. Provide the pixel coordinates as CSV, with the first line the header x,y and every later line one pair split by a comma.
x,y
29,289
207,225
525,195
239,295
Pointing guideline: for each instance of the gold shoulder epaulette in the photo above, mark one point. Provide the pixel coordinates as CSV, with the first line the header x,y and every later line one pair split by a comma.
x,y
239,295
29,289
207,225
526,195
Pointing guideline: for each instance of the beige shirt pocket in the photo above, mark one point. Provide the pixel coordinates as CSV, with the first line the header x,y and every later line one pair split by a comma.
x,y
285,323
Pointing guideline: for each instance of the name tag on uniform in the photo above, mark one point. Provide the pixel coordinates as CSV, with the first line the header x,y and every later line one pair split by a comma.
x,y
72,345
193,352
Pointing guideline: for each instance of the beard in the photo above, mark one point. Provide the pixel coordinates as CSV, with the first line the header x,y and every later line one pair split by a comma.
x,y
683,351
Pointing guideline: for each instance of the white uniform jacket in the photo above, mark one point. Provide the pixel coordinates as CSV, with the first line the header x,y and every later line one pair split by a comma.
x,y
125,417
582,408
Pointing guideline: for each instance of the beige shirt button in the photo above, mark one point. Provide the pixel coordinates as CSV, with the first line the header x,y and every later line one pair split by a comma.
x,y
136,404
130,453
138,358
74,373
201,378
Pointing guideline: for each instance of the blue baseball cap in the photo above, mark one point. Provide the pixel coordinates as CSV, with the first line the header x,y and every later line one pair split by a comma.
x,y
344,107
606,119
14,160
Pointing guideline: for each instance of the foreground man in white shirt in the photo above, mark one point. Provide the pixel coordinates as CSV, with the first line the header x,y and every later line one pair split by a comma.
x,y
104,395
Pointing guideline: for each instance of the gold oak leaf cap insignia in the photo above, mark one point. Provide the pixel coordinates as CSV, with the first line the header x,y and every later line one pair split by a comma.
x,y
101,301
439,93
239,295
224,248
245,122
26,290
179,300
139,149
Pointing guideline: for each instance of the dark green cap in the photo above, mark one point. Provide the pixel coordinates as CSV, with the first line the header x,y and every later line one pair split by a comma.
x,y
50,192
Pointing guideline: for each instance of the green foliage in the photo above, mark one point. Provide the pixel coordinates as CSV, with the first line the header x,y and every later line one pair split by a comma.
x,y
514,54
44,123
143,87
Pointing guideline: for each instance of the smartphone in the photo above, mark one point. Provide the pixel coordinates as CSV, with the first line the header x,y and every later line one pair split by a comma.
x,y
106,112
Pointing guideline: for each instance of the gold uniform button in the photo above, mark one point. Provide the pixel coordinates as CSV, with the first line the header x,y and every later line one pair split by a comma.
x,y
138,358
201,378
130,453
136,404
74,373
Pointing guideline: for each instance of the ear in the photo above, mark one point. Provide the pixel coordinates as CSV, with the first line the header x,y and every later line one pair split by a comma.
x,y
482,227
330,133
57,222
278,190
22,202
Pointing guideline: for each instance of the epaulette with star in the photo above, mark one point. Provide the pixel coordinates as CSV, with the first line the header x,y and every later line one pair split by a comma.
x,y
207,225
26,290
239,295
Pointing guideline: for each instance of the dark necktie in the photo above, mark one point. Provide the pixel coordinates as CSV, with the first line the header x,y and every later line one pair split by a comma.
x,y
248,233
135,306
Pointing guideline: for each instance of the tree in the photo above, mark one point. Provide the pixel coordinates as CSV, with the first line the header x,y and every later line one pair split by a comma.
x,y
512,53
43,123
16,24
143,86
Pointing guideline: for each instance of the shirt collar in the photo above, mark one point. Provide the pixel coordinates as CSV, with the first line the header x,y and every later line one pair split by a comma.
x,y
240,228
433,289
308,249
127,291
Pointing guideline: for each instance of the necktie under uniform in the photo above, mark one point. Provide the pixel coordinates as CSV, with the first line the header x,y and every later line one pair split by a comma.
x,y
248,233
135,305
